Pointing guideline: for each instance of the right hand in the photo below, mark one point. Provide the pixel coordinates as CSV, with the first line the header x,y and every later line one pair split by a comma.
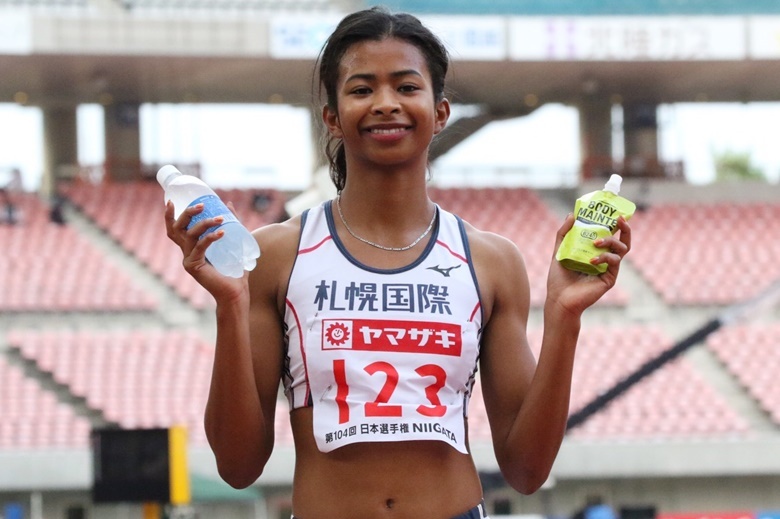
x,y
194,251
575,292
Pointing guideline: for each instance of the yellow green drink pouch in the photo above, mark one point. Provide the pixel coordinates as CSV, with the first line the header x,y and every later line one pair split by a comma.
x,y
595,216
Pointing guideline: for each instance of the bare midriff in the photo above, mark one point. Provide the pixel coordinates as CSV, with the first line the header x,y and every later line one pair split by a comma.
x,y
394,480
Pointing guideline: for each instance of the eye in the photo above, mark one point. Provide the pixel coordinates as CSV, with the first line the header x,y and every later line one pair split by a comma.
x,y
408,88
361,90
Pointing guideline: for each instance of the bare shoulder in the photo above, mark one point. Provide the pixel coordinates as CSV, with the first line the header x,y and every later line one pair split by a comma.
x,y
278,248
499,267
489,248
279,236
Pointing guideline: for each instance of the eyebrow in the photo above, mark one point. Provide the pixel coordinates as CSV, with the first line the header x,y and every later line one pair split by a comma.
x,y
371,77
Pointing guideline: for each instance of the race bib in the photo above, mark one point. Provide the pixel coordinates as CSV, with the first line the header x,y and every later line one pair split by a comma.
x,y
375,380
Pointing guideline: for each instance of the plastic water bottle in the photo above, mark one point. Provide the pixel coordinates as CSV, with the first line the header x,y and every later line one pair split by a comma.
x,y
237,250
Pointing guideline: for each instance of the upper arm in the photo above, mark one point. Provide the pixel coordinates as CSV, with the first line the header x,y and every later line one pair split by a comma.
x,y
507,363
268,286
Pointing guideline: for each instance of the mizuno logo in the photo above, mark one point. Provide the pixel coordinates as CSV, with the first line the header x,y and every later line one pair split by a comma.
x,y
443,271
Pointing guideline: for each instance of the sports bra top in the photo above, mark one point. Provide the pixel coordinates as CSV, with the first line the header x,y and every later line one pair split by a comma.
x,y
382,354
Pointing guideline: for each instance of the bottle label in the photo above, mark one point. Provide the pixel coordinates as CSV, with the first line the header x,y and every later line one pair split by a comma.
x,y
212,207
598,212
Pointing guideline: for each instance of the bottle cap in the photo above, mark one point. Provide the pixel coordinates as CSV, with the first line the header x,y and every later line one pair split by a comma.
x,y
613,184
166,174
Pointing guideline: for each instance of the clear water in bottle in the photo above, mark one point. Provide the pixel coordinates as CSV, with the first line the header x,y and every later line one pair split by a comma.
x,y
237,250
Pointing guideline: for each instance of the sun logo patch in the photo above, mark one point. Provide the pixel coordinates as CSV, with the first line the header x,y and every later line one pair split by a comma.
x,y
337,335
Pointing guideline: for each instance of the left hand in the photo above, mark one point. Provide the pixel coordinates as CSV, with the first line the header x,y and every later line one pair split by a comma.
x,y
574,291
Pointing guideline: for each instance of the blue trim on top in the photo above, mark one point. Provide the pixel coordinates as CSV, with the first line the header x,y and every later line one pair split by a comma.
x,y
286,374
467,249
351,259
304,215
473,377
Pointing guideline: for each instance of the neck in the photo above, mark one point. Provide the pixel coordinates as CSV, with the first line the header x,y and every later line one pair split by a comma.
x,y
385,206
383,195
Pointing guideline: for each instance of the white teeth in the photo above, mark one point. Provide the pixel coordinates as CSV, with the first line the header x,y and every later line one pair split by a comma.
x,y
388,131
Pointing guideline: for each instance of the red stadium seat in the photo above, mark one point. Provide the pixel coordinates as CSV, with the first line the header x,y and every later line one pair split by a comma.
x,y
33,418
135,379
56,269
749,352
678,241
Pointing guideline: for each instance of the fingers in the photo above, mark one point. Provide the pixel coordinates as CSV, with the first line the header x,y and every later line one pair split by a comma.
x,y
610,258
169,218
197,255
625,232
564,228
197,230
190,238
618,245
182,223
176,226
193,233
232,208
567,224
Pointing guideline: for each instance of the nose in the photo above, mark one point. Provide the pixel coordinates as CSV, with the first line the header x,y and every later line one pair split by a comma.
x,y
386,102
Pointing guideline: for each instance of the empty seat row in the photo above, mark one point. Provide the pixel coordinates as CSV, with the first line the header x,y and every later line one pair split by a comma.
x,y
749,351
674,401
707,254
134,378
33,418
50,267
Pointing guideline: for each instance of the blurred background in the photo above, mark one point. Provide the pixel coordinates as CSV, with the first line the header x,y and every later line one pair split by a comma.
x,y
675,410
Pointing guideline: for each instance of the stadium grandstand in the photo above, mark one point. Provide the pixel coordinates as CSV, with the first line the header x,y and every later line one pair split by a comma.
x,y
675,410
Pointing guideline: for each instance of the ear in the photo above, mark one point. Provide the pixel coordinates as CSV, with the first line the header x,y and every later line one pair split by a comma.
x,y
442,115
331,119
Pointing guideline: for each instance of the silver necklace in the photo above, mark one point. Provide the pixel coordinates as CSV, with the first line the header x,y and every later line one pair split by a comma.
x,y
369,242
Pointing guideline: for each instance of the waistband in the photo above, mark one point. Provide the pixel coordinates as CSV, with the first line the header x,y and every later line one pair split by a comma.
x,y
478,512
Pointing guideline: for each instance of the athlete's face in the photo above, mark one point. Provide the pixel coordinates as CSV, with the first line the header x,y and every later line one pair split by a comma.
x,y
387,113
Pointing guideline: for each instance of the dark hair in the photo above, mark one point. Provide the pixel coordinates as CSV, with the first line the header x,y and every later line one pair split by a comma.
x,y
376,23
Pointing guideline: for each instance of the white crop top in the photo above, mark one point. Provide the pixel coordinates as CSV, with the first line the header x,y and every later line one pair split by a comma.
x,y
382,355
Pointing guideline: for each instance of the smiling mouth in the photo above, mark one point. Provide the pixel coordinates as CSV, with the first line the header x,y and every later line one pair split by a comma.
x,y
387,131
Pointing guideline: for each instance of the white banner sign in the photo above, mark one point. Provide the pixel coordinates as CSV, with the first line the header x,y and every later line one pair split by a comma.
x,y
479,38
628,38
15,33
764,37
299,37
